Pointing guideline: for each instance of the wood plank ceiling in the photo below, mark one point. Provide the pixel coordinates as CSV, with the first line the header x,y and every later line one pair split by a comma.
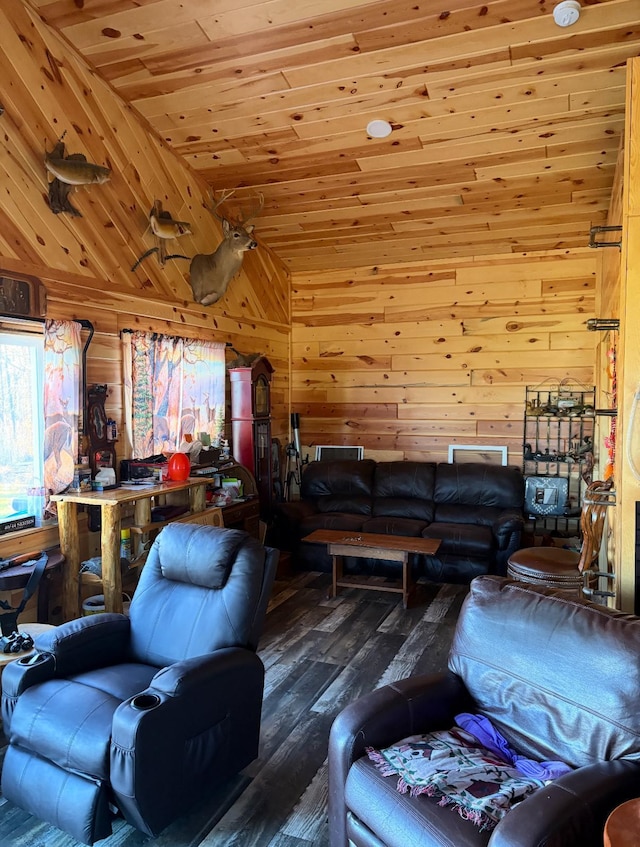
x,y
505,126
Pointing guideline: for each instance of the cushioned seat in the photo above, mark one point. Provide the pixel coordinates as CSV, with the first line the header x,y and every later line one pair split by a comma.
x,y
333,520
461,539
410,819
554,567
395,526
74,717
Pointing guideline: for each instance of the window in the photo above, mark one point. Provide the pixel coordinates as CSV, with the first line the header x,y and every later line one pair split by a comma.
x,y
21,425
39,413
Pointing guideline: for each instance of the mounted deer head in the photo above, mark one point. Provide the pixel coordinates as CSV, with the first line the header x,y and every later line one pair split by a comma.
x,y
211,273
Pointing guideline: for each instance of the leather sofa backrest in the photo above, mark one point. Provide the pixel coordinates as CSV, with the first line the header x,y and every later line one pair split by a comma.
x,y
558,677
196,581
342,486
477,484
404,489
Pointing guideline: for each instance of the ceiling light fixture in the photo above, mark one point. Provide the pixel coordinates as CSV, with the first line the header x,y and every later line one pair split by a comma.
x,y
567,12
379,129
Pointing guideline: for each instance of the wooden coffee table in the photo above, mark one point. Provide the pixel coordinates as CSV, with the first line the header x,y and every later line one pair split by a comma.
x,y
369,545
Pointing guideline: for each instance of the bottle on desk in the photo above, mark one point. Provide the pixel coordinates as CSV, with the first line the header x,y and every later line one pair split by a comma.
x,y
125,544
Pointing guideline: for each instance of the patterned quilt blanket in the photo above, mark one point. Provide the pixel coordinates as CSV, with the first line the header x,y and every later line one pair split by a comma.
x,y
452,767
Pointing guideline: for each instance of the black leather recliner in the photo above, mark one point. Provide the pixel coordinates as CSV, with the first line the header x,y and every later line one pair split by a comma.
x,y
558,677
144,712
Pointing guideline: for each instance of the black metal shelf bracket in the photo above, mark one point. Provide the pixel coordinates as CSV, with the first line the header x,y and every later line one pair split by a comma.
x,y
596,229
602,324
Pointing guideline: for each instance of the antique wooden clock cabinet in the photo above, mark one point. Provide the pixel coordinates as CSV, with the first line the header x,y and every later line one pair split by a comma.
x,y
251,425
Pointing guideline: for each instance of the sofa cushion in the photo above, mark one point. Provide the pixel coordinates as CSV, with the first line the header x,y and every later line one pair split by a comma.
x,y
477,484
394,526
401,819
461,539
339,486
403,507
332,520
339,503
73,716
404,489
546,708
461,513
346,478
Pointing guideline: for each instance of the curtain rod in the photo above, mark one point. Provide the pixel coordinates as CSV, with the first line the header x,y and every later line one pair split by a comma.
x,y
129,331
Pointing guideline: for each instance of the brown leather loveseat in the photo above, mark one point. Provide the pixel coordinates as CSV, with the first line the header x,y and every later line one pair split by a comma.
x,y
558,677
475,509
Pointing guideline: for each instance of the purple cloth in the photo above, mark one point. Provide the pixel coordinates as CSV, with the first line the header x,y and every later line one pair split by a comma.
x,y
483,730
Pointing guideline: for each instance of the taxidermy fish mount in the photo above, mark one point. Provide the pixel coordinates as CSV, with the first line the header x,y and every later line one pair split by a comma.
x,y
69,172
164,227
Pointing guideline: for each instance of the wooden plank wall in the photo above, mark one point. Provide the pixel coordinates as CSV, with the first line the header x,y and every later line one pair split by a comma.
x,y
627,476
608,306
85,262
408,359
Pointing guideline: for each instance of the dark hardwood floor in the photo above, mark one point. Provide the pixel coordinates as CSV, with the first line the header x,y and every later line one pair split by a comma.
x,y
319,655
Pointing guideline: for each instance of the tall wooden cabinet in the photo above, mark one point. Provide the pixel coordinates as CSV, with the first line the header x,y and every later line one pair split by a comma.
x,y
251,425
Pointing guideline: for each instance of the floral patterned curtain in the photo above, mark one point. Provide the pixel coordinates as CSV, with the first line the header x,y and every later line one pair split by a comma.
x,y
177,389
62,362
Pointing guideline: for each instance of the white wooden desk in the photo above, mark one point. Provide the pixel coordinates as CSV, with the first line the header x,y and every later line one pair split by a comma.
x,y
110,503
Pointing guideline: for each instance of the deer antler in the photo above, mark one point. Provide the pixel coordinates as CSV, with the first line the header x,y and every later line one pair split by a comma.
x,y
215,203
255,211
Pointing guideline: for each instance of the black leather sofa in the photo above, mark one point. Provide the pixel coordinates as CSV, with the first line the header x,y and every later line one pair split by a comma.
x,y
558,677
475,509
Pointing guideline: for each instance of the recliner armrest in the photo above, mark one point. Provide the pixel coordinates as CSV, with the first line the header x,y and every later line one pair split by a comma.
x,y
572,809
18,676
181,695
197,718
85,643
73,647
509,522
188,676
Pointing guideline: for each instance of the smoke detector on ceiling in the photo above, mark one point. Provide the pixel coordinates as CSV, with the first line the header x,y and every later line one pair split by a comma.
x,y
379,129
567,12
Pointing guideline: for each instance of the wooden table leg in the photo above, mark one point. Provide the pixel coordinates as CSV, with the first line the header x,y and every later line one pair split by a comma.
x,y
336,575
406,581
70,549
110,543
197,498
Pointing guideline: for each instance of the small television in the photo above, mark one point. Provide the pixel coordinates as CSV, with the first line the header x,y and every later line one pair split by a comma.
x,y
332,453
